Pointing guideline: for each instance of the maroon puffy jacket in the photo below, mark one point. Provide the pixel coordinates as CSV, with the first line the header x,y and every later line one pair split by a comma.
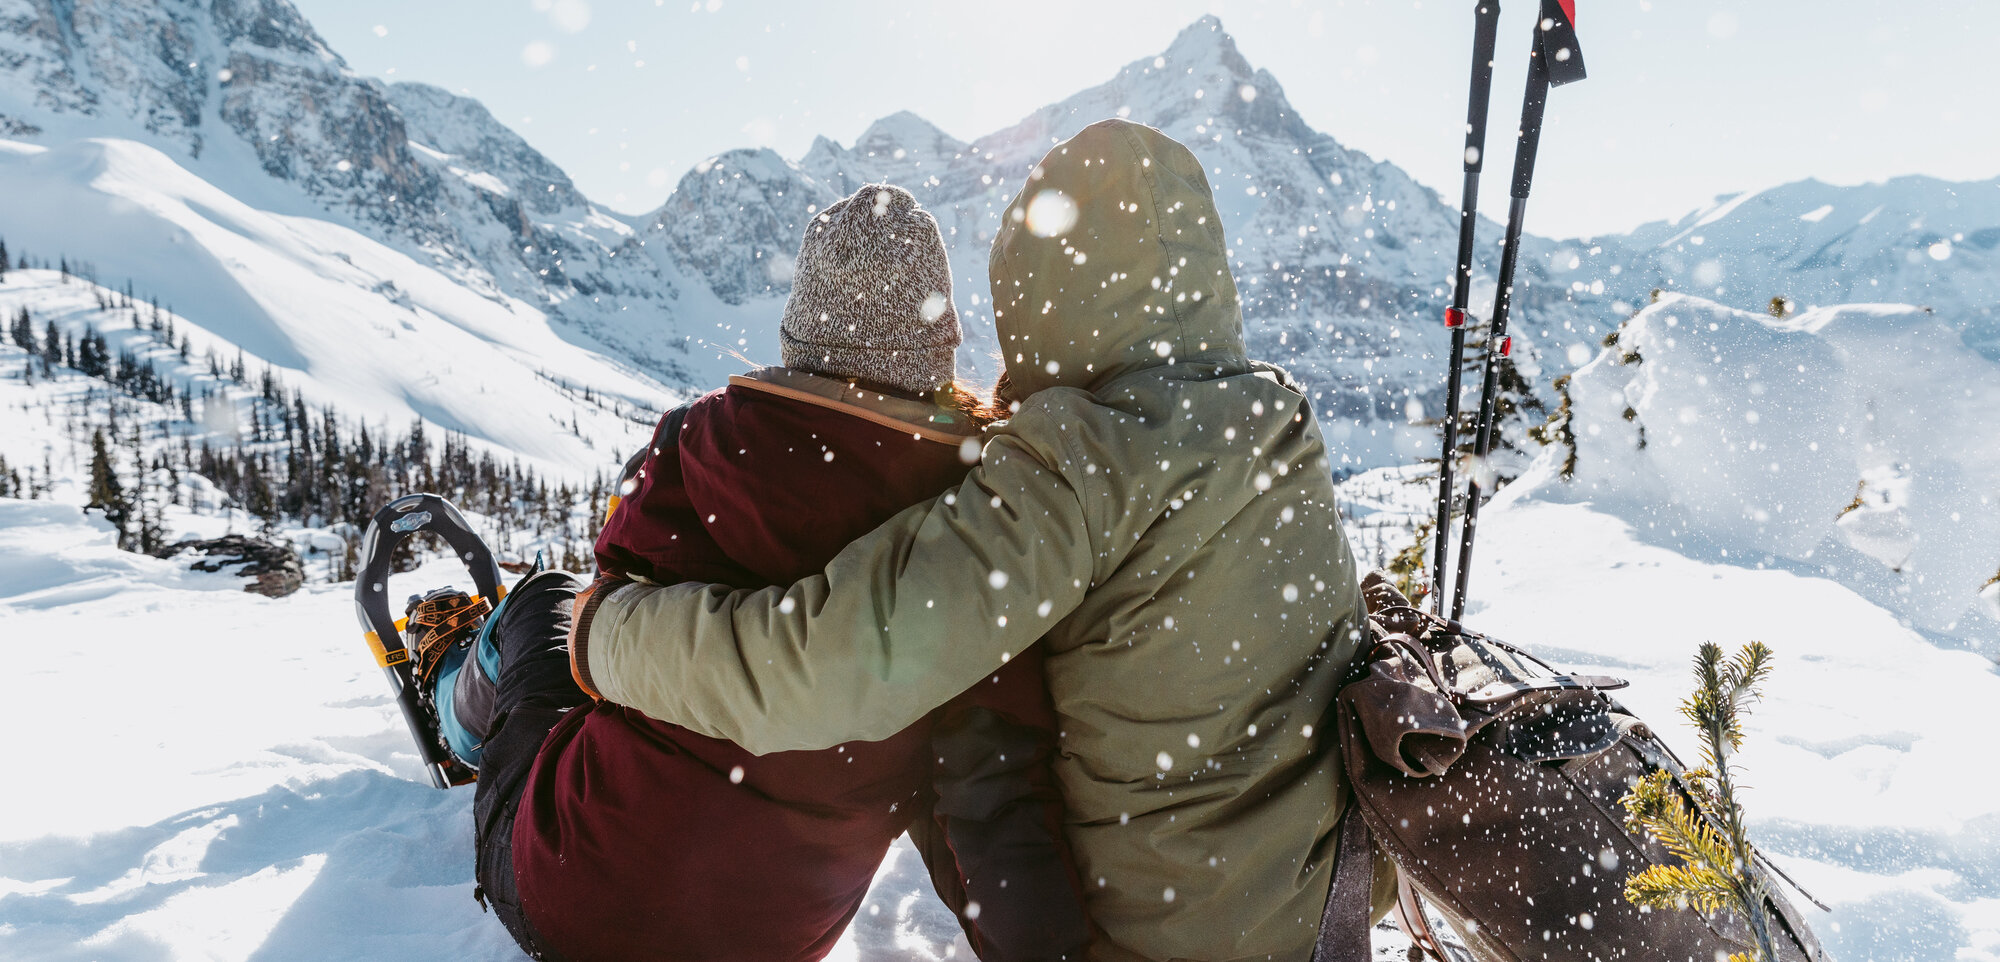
x,y
637,839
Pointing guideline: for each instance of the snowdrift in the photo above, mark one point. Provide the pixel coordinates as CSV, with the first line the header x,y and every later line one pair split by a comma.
x,y
1858,443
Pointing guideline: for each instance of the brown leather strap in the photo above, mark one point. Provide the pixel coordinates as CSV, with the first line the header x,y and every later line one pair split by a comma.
x,y
1411,918
1343,927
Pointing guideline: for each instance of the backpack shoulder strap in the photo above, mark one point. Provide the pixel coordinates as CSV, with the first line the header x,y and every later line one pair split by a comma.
x,y
1343,927
665,437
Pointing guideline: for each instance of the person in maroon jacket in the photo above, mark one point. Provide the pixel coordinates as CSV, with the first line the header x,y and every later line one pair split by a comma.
x,y
605,834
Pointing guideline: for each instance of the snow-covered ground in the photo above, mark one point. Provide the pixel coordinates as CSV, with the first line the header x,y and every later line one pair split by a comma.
x,y
203,773
200,773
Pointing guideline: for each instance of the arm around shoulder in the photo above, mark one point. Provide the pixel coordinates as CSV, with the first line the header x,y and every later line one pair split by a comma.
x,y
900,621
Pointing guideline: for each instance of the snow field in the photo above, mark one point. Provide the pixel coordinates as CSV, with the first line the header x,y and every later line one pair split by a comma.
x,y
217,775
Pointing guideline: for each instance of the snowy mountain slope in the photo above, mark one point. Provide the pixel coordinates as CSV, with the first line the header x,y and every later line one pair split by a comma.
x,y
1856,443
735,220
219,84
336,315
245,96
1911,240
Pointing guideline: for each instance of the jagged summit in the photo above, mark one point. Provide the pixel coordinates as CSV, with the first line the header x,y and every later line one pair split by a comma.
x,y
165,65
464,131
1206,43
906,131
736,219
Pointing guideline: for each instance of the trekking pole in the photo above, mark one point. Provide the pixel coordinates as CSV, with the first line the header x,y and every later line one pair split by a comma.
x,y
1485,24
1553,60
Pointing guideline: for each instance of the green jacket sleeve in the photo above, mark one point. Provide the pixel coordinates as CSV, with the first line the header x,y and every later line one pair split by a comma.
x,y
900,621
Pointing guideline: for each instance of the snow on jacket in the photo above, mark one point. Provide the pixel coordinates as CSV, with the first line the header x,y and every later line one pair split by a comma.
x,y
1160,511
639,839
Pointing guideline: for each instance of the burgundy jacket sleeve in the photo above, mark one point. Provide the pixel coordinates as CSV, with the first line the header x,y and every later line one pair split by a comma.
x,y
1002,817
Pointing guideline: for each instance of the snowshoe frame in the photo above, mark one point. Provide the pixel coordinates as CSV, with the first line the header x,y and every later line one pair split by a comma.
x,y
398,520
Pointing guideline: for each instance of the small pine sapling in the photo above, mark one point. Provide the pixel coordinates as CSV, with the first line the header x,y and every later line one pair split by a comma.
x,y
1409,565
1559,429
1703,825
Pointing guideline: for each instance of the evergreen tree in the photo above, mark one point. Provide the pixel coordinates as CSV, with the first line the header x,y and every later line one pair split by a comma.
x,y
23,329
257,497
52,348
106,493
1515,409
3,260
1703,824
93,355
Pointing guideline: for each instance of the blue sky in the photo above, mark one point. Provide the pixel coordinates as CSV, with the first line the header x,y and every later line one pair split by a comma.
x,y
1686,98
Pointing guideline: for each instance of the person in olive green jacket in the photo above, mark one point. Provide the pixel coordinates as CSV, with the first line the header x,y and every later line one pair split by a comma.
x,y
1160,511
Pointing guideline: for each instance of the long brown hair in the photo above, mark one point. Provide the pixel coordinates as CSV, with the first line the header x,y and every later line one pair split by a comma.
x,y
980,407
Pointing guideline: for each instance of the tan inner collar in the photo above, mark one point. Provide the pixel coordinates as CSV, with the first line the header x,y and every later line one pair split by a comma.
x,y
919,418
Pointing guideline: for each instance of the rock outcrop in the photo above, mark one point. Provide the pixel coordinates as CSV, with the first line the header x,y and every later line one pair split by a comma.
x,y
274,569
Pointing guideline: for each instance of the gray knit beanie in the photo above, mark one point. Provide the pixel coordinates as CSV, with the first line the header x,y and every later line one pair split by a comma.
x,y
871,295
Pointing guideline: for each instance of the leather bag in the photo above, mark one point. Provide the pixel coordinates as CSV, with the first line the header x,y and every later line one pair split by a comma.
x,y
1493,781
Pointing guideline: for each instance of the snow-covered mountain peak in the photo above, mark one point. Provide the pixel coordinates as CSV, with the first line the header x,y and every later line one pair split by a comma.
x,y
161,64
909,133
902,149
1205,43
736,220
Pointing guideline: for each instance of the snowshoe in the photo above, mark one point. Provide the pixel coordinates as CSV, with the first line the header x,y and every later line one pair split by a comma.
x,y
440,623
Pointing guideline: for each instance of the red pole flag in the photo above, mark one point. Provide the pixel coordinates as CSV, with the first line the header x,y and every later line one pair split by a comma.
x,y
1556,41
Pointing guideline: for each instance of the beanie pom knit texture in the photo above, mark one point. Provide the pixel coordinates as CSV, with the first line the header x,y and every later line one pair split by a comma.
x,y
871,295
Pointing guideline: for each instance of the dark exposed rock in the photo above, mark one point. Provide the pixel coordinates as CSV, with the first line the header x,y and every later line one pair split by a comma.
x,y
274,569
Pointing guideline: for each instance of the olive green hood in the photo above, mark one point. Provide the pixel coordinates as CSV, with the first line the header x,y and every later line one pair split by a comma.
x,y
1112,259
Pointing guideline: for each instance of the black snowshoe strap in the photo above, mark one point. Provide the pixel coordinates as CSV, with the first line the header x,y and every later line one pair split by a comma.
x,y
1343,927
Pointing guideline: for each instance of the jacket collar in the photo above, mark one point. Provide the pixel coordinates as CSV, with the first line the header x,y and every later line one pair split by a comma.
x,y
920,418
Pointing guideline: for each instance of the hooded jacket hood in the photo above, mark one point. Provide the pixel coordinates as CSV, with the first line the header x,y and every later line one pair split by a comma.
x,y
1112,260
